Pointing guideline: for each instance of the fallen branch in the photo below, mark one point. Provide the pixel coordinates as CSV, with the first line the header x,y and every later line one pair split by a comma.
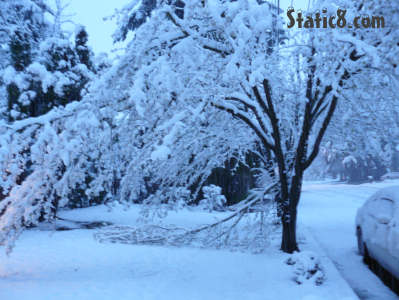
x,y
158,235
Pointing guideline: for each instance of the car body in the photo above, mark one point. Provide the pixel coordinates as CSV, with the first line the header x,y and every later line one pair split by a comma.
x,y
377,229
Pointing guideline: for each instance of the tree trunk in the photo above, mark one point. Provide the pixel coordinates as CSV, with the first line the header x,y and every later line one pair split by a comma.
x,y
288,242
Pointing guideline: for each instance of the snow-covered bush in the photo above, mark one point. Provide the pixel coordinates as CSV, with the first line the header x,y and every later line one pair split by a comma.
x,y
213,198
182,197
307,267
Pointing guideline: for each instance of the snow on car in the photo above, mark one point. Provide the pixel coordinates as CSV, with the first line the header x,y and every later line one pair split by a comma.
x,y
377,228
390,175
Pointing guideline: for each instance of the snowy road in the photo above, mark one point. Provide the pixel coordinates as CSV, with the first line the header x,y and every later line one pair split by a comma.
x,y
329,211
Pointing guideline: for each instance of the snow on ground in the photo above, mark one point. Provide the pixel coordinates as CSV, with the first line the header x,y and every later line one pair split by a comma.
x,y
328,210
49,265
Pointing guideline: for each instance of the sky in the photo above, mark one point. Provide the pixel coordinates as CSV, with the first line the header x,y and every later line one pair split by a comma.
x,y
297,4
90,13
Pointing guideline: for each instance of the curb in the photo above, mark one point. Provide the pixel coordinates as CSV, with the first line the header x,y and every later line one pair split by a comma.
x,y
346,292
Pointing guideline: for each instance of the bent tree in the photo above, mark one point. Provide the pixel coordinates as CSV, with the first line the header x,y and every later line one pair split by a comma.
x,y
194,89
211,83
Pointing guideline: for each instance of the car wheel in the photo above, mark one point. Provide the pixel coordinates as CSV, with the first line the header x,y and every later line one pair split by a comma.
x,y
375,266
366,257
395,284
385,276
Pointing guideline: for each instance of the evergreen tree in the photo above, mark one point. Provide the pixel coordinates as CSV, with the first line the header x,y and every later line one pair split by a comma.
x,y
81,48
43,68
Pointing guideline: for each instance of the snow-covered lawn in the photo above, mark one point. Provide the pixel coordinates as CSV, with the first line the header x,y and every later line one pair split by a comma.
x,y
72,265
328,210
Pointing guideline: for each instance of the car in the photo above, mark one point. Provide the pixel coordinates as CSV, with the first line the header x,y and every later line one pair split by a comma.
x,y
377,230
390,175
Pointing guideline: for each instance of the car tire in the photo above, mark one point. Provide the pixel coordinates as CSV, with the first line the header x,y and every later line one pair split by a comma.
x,y
395,284
376,267
371,264
366,257
385,276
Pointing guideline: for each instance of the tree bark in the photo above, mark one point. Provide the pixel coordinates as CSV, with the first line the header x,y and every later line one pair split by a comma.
x,y
289,219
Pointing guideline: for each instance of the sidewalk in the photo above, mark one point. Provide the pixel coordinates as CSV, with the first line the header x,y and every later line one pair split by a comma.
x,y
344,291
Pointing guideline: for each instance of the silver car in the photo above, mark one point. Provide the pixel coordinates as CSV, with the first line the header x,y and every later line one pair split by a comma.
x,y
377,229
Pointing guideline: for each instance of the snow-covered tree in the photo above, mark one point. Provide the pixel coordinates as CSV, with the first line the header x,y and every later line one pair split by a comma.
x,y
366,123
191,93
45,69
193,83
81,47
44,161
135,13
198,83
20,25
42,71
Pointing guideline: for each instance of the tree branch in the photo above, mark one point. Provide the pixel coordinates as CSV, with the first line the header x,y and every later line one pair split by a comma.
x,y
247,121
186,34
327,90
280,157
253,109
322,131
